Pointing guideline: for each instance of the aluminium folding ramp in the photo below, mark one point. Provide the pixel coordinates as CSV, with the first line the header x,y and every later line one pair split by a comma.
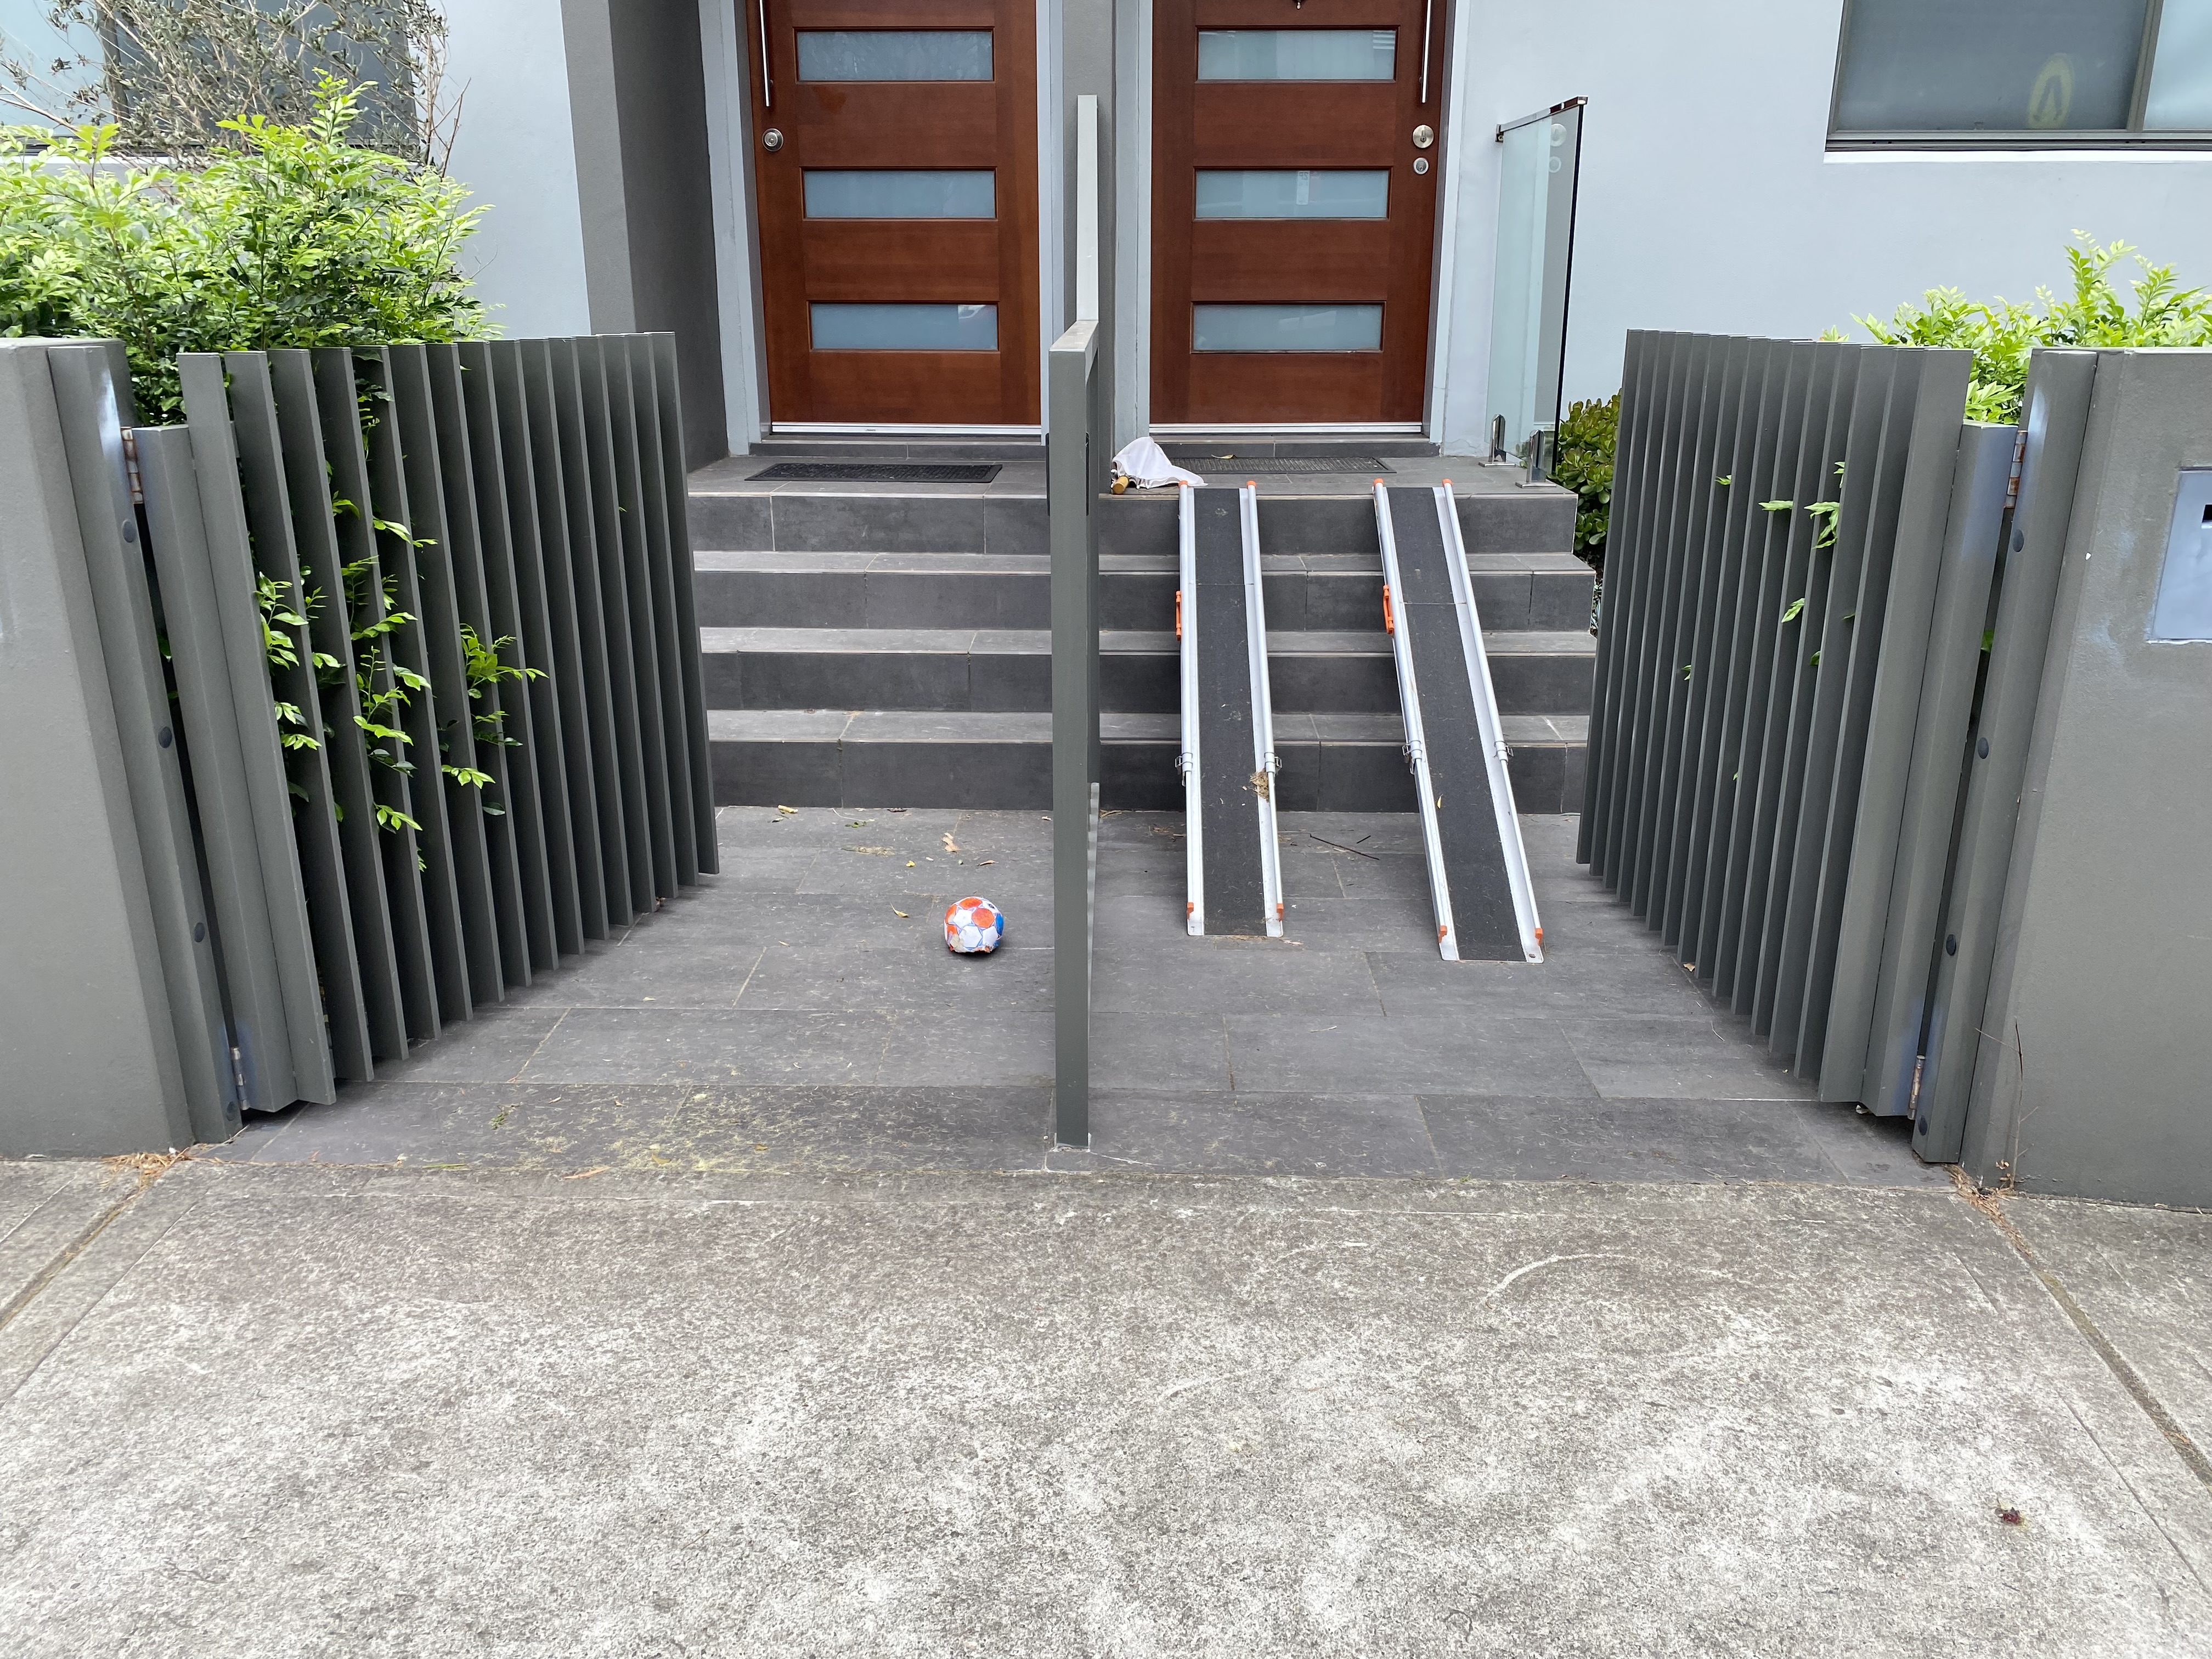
x,y
1478,869
1227,758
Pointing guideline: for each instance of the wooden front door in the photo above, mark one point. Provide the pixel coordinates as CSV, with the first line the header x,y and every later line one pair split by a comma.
x,y
896,151
1295,167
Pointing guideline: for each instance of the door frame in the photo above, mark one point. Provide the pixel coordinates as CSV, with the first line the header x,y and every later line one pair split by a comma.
x,y
729,145
1135,70
726,38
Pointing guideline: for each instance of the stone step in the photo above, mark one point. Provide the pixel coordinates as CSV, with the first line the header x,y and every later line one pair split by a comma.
x,y
1003,761
1010,670
732,515
1513,591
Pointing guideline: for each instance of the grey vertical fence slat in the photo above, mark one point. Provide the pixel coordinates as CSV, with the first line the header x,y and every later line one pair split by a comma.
x,y
1723,666
666,390
1645,610
1595,839
1916,746
338,402
1674,653
2056,415
610,566
1773,363
1702,578
90,405
638,597
486,708
537,567
1911,503
224,777
417,649
668,623
1855,434
1072,493
268,502
322,560
1706,672
1766,573
585,723
1781,778
228,541
407,442
1589,843
606,726
527,786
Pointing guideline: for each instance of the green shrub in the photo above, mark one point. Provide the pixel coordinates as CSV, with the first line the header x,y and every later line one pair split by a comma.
x,y
299,238
1584,465
2001,333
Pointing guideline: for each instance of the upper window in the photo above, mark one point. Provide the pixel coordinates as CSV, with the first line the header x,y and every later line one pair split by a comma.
x,y
2024,73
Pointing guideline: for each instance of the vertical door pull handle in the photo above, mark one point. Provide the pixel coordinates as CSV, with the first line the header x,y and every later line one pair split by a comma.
x,y
1428,27
768,85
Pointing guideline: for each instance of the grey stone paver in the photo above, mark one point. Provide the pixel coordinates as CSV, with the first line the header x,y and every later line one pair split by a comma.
x,y
281,1412
813,965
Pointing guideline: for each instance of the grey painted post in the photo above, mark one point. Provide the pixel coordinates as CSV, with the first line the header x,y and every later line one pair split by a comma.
x,y
2090,1052
92,389
87,1048
1072,497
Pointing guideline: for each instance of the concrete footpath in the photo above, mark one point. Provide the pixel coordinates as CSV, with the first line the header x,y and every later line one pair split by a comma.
x,y
295,1410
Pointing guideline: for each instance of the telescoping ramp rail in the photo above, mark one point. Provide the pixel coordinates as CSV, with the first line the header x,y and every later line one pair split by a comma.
x,y
1478,869
1228,752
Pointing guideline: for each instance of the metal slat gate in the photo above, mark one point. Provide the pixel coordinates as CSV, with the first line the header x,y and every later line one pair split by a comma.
x,y
427,613
1807,625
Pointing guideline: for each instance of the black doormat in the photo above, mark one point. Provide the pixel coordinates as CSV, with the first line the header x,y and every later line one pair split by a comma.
x,y
875,472
1366,465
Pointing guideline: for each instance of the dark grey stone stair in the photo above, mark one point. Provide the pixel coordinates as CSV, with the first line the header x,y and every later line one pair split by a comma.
x,y
878,647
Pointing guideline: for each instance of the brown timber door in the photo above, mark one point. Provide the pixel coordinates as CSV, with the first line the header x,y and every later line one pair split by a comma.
x,y
896,152
1294,192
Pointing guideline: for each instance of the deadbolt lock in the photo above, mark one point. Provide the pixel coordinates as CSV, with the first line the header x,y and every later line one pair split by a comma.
x,y
772,138
1424,137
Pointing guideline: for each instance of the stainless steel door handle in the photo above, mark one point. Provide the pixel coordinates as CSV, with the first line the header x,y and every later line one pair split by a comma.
x,y
768,85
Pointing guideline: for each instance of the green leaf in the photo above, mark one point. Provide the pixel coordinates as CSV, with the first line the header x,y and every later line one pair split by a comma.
x,y
1796,610
1776,507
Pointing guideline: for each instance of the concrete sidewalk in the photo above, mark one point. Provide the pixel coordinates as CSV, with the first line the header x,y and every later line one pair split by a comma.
x,y
254,1409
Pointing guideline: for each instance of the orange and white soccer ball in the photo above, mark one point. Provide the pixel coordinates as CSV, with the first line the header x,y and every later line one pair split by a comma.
x,y
973,927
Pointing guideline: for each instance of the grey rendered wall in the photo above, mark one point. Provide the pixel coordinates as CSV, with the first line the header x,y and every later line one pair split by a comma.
x,y
638,103
2093,1074
83,1014
514,149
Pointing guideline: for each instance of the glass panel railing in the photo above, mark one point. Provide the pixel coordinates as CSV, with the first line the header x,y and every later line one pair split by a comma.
x,y
1298,54
843,326
1294,194
1286,328
1528,308
838,193
894,54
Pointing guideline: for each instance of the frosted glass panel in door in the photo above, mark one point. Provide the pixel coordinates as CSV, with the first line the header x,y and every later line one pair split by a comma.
x,y
1286,328
894,54
839,326
838,193
1298,54
1294,194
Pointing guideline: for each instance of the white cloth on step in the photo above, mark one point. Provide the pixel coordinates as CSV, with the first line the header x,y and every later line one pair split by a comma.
x,y
1146,465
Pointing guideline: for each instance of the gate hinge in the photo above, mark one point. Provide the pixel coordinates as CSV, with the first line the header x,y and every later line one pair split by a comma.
x,y
130,467
2019,459
238,1072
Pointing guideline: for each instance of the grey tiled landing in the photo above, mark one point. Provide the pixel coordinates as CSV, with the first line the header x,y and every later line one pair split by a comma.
x,y
800,1012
